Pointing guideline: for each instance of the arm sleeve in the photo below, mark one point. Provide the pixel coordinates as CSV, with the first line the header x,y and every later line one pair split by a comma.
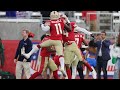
x,y
68,21
106,43
45,28
82,30
30,46
18,51
68,27
66,18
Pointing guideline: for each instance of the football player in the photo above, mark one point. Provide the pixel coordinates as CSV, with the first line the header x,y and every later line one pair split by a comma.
x,y
79,29
79,39
56,27
70,47
45,61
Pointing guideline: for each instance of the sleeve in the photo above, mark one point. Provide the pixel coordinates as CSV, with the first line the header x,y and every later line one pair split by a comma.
x,y
29,46
68,21
68,27
45,28
66,18
18,51
82,30
106,43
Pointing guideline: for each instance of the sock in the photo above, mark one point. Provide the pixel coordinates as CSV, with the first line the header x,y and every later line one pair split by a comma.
x,y
56,60
66,77
68,71
55,74
61,59
88,66
73,72
34,75
94,74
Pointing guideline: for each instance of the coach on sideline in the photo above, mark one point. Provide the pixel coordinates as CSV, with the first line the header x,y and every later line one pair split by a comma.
x,y
103,55
25,46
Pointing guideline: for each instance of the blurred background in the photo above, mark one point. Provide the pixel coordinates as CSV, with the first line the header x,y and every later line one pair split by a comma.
x,y
11,22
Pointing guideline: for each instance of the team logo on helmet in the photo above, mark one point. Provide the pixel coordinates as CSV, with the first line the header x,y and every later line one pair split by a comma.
x,y
54,15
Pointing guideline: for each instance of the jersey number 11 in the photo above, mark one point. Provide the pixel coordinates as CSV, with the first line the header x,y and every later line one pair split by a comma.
x,y
58,28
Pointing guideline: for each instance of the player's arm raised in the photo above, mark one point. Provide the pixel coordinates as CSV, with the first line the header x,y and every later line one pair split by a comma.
x,y
68,27
67,23
80,29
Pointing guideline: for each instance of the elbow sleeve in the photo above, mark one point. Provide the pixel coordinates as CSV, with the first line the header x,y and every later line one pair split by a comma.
x,y
68,21
45,28
83,30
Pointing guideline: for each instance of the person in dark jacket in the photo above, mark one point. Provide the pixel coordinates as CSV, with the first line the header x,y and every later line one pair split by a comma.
x,y
103,55
31,35
25,46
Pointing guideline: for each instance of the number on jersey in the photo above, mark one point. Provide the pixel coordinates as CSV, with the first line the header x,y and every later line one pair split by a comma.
x,y
58,28
65,33
77,40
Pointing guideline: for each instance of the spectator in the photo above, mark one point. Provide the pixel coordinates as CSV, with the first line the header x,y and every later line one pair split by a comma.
x,y
30,36
25,46
1,54
116,48
103,55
